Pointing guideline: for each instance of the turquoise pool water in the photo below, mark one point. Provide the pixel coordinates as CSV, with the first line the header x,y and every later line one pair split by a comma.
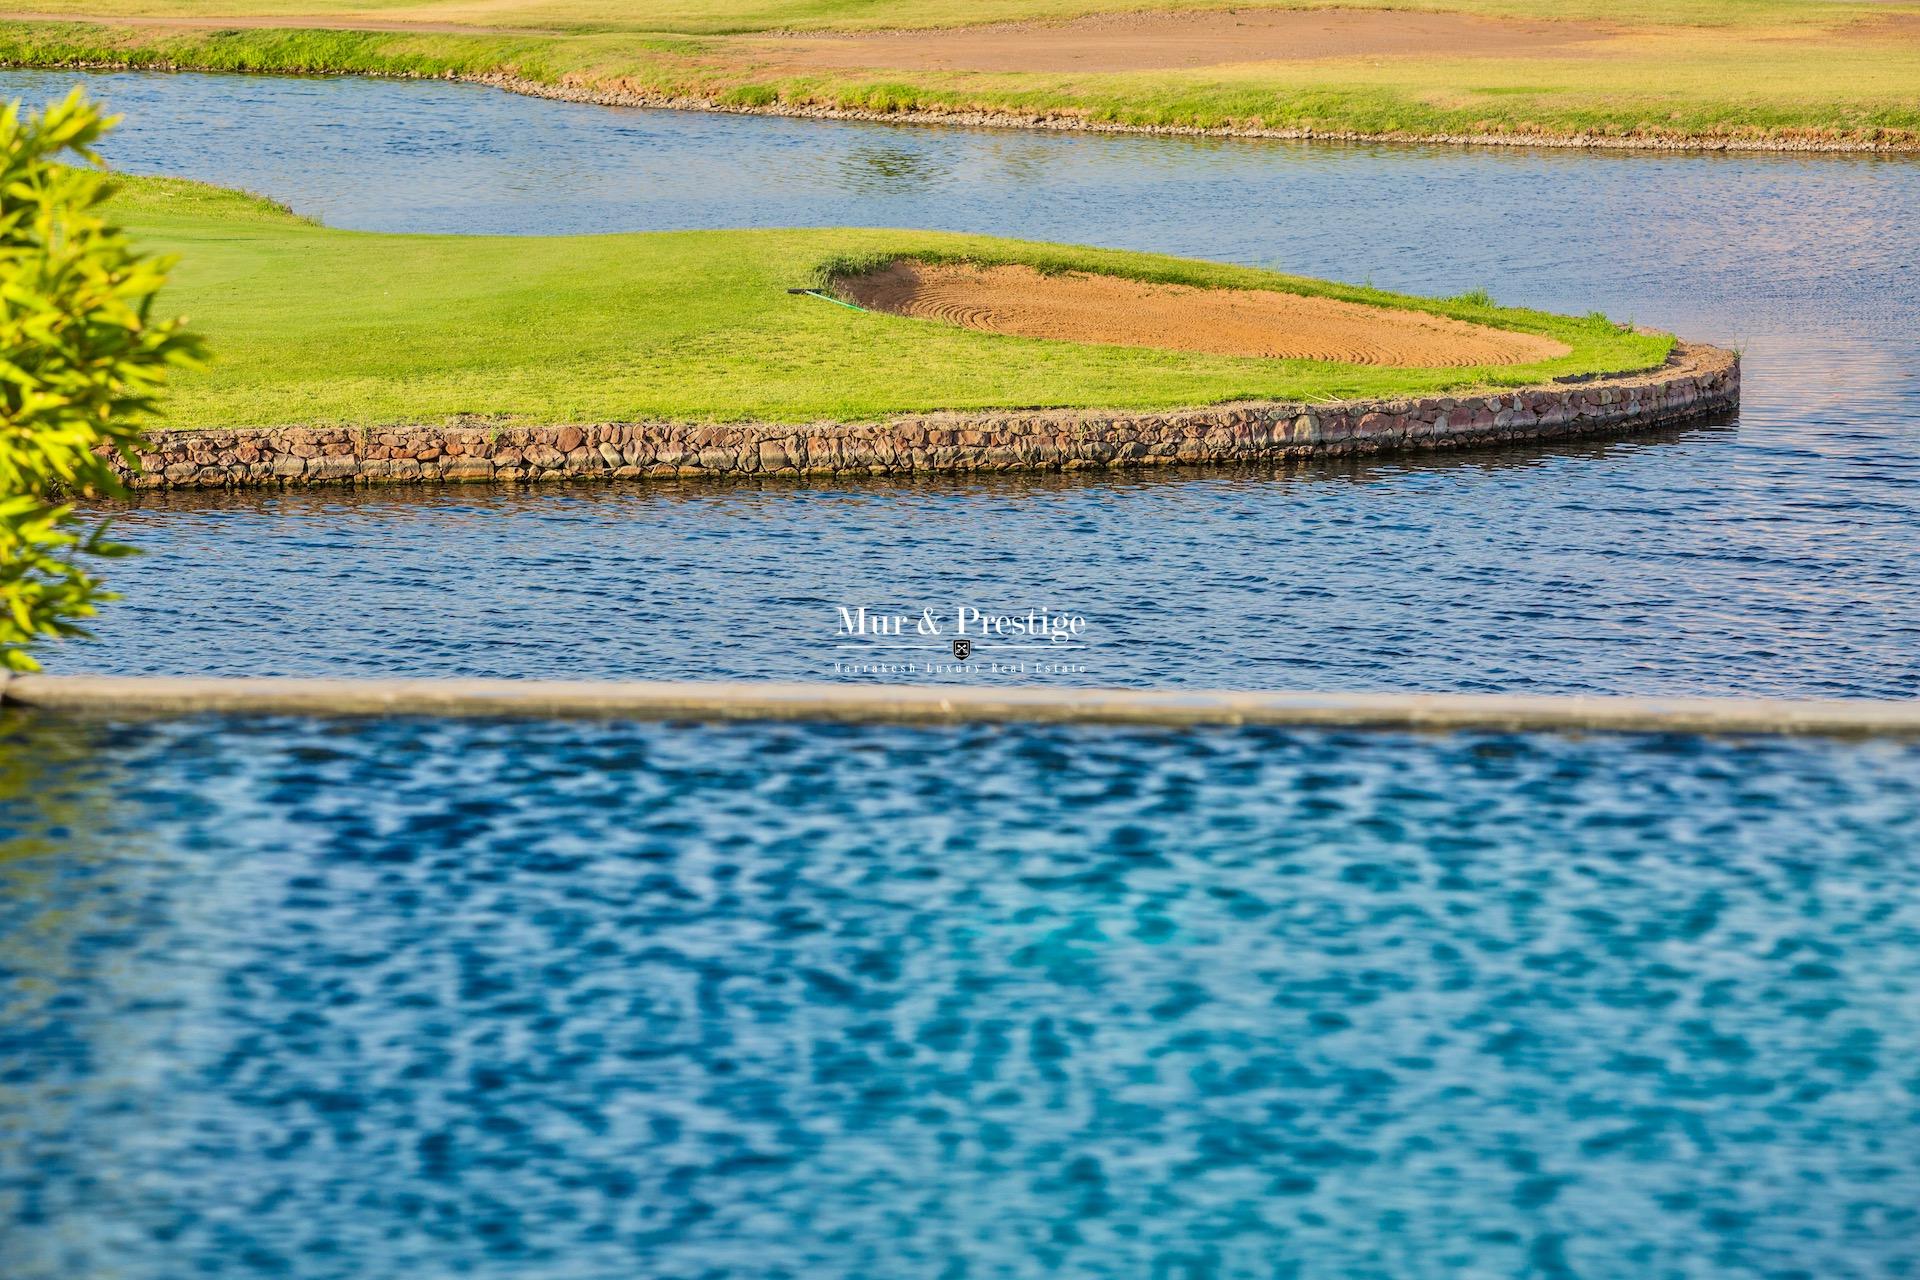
x,y
530,1001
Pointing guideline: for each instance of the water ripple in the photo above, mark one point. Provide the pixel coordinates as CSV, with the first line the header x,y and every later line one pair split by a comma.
x,y
562,1001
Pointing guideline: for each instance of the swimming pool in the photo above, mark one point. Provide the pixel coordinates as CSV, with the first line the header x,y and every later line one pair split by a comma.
x,y
430,999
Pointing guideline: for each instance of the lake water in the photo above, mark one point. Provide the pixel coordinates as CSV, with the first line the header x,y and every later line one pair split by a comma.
x,y
1775,555
569,1002
588,1002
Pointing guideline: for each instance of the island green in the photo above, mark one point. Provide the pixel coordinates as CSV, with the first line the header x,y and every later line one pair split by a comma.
x,y
312,325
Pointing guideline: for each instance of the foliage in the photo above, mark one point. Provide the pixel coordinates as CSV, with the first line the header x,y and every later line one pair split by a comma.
x,y
80,361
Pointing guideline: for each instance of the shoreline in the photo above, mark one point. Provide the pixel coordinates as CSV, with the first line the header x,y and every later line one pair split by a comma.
x,y
1697,382
1784,142
1069,123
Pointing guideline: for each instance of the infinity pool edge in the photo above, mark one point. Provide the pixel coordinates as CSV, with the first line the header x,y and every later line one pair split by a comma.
x,y
829,702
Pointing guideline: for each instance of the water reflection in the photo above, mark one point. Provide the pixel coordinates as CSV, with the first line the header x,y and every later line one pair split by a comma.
x,y
65,790
57,784
872,170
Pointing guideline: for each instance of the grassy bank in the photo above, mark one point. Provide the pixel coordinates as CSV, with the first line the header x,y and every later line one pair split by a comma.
x,y
312,325
1704,70
740,17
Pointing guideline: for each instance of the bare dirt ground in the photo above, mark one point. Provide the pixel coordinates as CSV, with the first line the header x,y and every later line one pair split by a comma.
x,y
1166,41
1099,43
1232,322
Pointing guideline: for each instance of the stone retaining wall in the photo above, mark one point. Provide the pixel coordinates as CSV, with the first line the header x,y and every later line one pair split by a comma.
x,y
1697,381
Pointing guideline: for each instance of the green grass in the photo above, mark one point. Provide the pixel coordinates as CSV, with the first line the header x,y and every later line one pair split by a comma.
x,y
1812,70
312,325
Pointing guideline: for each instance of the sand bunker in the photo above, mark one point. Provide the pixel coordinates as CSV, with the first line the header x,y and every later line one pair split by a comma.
x,y
1161,41
1228,322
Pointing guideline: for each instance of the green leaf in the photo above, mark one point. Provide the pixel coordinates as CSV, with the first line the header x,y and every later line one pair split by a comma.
x,y
81,357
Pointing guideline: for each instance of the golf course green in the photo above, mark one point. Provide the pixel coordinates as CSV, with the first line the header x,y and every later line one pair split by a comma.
x,y
315,326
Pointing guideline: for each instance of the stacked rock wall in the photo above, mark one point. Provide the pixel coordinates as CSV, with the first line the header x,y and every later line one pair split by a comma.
x,y
1697,381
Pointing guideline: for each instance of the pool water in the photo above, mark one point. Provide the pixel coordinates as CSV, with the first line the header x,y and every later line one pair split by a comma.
x,y
595,1002
1776,554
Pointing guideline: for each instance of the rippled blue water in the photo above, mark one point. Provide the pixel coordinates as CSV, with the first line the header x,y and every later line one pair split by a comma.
x,y
1775,556
429,1000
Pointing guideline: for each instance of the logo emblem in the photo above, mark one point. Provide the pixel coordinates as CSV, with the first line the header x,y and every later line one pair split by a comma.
x,y
962,648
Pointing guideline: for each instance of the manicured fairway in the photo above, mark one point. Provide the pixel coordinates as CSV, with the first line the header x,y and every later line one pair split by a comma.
x,y
1805,72
311,325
